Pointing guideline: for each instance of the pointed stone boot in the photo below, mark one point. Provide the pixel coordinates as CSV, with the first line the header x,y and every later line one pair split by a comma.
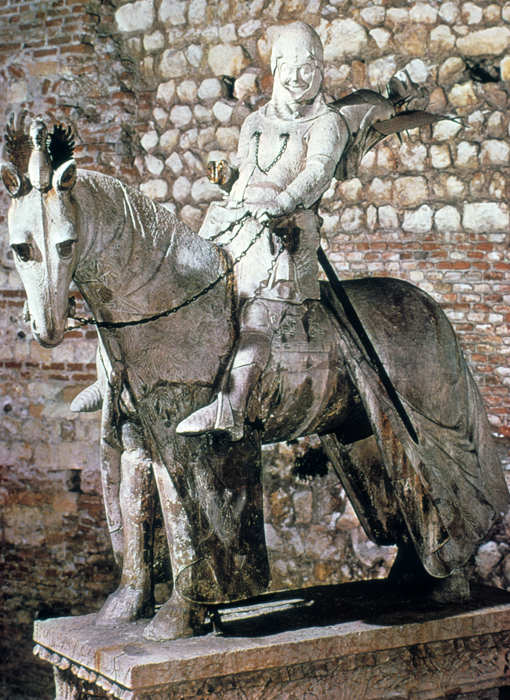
x,y
217,417
88,400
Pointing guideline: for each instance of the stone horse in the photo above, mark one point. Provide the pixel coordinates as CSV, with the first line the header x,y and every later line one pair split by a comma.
x,y
163,301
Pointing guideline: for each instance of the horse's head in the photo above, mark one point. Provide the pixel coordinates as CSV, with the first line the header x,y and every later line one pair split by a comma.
x,y
42,221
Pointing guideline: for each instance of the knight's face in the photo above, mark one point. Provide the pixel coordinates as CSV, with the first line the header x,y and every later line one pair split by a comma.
x,y
299,74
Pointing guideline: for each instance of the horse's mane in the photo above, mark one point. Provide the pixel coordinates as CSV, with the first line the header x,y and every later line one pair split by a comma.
x,y
152,220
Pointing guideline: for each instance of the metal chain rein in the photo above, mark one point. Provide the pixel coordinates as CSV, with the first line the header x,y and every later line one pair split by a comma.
x,y
82,321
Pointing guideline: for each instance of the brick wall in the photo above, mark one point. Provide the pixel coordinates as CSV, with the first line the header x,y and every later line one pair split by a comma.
x,y
151,88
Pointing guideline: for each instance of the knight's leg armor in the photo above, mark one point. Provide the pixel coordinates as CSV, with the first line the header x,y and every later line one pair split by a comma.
x,y
225,415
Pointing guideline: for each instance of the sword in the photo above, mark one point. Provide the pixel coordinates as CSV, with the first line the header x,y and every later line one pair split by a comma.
x,y
364,340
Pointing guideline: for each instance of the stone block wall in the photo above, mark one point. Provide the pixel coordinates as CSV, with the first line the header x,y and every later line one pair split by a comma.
x,y
152,88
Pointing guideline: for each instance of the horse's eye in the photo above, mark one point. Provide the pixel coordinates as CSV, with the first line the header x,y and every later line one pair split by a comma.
x,y
65,249
23,251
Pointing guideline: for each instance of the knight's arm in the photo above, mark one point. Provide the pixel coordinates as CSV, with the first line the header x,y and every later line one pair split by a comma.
x,y
328,138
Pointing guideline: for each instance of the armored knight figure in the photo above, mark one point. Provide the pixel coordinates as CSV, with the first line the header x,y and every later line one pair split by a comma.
x,y
288,153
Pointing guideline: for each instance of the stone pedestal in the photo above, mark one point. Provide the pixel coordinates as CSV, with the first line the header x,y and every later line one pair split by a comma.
x,y
359,641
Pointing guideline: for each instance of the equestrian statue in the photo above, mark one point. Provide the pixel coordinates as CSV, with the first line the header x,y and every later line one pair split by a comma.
x,y
211,344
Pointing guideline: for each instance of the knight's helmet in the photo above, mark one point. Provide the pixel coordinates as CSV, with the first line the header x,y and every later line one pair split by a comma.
x,y
34,158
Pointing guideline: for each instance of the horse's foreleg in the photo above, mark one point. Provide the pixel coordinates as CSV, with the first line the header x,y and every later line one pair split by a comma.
x,y
177,618
133,599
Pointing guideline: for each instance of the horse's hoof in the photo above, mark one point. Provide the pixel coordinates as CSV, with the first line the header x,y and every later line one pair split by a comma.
x,y
124,605
88,400
453,589
177,619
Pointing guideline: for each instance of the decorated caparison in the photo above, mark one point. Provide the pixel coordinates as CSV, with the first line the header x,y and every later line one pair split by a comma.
x,y
213,343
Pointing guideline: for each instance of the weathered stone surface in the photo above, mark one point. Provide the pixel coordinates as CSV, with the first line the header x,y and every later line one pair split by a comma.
x,y
160,117
418,70
136,16
438,102
223,111
249,28
494,153
380,71
172,12
203,115
449,12
351,190
352,219
487,559
462,95
192,216
410,191
169,139
484,217
397,15
228,137
188,139
414,39
442,40
459,652
373,15
388,218
225,59
419,221
187,91
492,13
228,33
155,42
381,37
210,89
471,14
166,91
467,155
440,156
173,64
181,189
344,39
380,191
194,54
246,86
451,70
487,41
181,115
155,189
447,219
412,156
203,191
505,68
423,13
175,163
154,165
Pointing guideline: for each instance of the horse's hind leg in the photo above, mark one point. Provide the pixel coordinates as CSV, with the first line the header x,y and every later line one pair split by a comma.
x,y
133,599
373,495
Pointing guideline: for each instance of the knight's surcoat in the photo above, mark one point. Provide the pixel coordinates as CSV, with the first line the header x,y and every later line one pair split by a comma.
x,y
293,160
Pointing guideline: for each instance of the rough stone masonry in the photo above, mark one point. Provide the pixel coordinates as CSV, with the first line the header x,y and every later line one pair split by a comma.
x,y
152,89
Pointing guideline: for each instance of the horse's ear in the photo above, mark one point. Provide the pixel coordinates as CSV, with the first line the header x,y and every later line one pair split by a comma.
x,y
65,177
15,183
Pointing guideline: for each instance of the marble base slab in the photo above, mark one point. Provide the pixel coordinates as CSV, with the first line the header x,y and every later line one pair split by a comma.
x,y
357,641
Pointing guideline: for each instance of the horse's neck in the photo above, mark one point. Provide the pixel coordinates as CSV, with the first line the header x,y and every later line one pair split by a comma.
x,y
136,252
